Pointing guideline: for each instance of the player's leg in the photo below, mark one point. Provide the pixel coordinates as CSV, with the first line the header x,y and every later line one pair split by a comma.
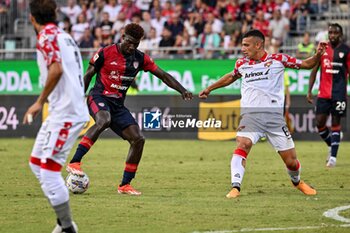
x,y
136,140
249,133
293,169
280,138
335,138
100,111
60,141
323,108
238,163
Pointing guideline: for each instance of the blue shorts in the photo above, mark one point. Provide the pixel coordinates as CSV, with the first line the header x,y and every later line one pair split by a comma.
x,y
121,117
330,106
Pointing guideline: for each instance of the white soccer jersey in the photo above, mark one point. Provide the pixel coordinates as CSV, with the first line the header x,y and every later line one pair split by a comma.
x,y
66,101
262,87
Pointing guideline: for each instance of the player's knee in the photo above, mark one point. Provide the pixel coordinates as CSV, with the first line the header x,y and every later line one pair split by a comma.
x,y
103,123
244,144
138,141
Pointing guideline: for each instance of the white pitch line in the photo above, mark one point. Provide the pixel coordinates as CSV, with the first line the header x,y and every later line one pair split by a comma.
x,y
334,214
274,229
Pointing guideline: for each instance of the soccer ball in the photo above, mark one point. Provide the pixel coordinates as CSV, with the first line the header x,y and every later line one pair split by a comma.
x,y
77,184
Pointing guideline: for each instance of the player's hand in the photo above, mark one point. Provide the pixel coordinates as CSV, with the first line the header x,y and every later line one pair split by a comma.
x,y
31,113
310,98
204,94
321,48
186,95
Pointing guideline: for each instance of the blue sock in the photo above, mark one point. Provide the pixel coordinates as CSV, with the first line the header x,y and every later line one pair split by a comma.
x,y
79,153
335,143
325,135
127,177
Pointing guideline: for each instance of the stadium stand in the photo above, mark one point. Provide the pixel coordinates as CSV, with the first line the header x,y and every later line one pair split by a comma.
x,y
283,21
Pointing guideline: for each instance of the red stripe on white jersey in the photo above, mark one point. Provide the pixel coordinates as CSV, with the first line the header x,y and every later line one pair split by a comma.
x,y
62,137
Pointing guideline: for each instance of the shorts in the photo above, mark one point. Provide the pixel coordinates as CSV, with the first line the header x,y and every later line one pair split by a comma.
x,y
330,106
55,140
121,117
273,126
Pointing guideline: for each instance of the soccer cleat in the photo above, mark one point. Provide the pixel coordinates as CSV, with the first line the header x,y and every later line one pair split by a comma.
x,y
75,168
233,193
58,228
128,189
305,188
331,162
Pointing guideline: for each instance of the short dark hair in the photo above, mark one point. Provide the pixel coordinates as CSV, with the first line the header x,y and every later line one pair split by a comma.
x,y
134,30
255,33
338,26
43,11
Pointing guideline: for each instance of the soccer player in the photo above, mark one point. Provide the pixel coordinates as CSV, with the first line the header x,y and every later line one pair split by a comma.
x,y
332,94
61,71
262,102
116,67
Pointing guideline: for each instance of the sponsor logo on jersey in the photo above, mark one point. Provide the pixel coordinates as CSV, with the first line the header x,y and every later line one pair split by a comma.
x,y
331,71
253,74
113,63
327,62
115,86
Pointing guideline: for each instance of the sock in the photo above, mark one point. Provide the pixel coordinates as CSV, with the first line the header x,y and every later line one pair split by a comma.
x,y
335,141
129,173
237,169
83,147
294,173
325,135
63,213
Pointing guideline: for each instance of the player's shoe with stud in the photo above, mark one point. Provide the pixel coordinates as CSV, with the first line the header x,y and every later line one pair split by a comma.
x,y
234,193
306,189
58,228
75,168
128,189
331,162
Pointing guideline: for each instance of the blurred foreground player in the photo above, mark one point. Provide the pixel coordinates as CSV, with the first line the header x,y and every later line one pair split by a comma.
x,y
116,67
262,106
61,71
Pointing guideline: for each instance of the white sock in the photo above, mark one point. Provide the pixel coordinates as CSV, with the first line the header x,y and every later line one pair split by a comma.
x,y
295,175
237,170
52,184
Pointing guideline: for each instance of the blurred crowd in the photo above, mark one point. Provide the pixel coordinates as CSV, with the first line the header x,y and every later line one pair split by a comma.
x,y
203,24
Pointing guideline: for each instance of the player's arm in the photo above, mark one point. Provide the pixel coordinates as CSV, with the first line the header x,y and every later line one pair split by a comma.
x,y
310,62
312,79
224,81
53,77
90,72
172,82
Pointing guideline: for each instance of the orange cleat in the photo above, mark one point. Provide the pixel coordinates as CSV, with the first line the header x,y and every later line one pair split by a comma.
x,y
75,168
234,193
306,189
128,189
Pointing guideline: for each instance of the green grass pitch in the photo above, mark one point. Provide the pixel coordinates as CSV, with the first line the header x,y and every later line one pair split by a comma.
x,y
184,184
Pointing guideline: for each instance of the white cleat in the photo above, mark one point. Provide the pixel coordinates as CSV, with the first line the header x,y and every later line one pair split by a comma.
x,y
331,162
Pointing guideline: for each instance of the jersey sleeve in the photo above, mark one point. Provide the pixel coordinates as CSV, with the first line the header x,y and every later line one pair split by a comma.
x,y
238,64
288,61
48,46
98,59
148,64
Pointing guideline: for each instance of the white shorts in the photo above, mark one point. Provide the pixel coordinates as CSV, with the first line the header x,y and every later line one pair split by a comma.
x,y
55,140
273,126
